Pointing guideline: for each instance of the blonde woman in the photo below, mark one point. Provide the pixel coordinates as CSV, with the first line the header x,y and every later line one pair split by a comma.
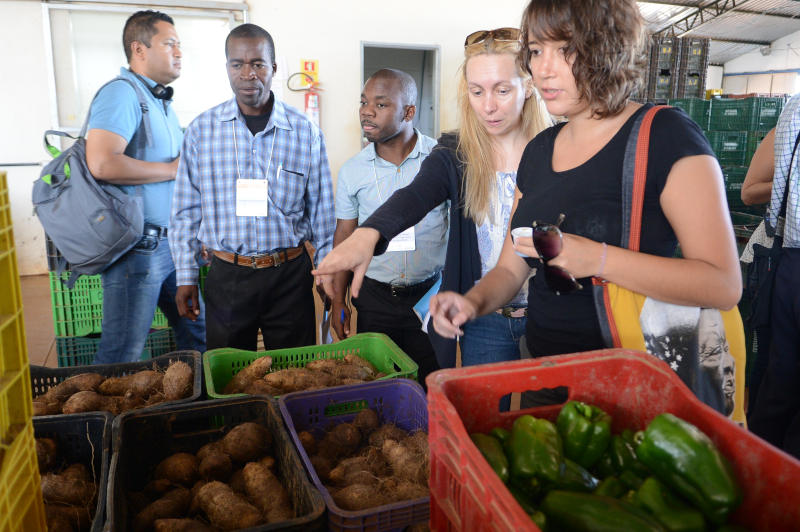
x,y
475,170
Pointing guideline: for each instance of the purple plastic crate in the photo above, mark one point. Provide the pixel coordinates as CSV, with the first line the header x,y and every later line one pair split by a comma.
x,y
399,401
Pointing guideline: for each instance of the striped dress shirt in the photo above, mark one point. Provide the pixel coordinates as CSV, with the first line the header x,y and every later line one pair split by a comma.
x,y
218,149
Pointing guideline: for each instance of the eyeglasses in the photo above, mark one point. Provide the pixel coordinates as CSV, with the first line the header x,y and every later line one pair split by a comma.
x,y
499,35
548,242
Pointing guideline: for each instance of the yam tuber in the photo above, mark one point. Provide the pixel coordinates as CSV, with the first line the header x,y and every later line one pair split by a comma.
x,y
367,421
143,383
261,387
366,364
358,497
255,371
405,462
225,509
86,401
342,440
216,466
247,442
173,504
322,465
180,468
77,383
266,492
296,379
57,488
308,442
178,381
60,516
389,431
180,525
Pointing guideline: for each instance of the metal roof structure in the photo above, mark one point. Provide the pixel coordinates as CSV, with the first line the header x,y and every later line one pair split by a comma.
x,y
735,27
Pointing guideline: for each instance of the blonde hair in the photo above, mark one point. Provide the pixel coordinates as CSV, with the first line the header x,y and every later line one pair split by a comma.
x,y
475,146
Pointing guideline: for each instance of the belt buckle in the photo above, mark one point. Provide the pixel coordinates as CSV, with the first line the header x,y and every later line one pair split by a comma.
x,y
276,258
253,263
506,312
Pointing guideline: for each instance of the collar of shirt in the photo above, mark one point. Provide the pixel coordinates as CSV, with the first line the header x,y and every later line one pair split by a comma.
x,y
370,154
149,83
278,119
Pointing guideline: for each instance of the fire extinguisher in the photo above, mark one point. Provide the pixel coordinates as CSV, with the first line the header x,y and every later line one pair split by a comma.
x,y
311,96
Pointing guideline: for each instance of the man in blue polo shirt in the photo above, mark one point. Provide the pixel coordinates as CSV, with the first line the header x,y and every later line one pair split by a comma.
x,y
396,280
118,152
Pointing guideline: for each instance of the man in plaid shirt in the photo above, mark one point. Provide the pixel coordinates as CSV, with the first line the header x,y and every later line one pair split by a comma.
x,y
253,187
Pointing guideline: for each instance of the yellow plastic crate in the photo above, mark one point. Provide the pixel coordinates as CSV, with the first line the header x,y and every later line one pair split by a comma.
x,y
21,506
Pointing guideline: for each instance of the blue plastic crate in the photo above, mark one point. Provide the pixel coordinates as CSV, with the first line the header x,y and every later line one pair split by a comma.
x,y
398,401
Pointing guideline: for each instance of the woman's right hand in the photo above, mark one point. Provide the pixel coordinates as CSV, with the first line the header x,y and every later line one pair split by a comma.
x,y
451,310
353,254
523,245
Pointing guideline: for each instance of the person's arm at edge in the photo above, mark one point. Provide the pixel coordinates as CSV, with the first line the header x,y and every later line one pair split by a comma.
x,y
319,199
341,280
757,186
106,159
183,227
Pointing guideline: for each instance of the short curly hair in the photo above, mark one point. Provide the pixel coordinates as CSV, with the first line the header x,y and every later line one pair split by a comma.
x,y
606,38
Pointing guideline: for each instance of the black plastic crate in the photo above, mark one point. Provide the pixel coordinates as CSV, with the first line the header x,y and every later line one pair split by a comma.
x,y
42,378
665,53
86,439
691,84
141,439
694,54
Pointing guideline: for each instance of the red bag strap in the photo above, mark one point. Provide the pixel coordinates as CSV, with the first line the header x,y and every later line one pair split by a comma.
x,y
640,176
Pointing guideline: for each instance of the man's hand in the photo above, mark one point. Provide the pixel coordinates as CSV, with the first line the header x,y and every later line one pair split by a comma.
x,y
340,319
188,301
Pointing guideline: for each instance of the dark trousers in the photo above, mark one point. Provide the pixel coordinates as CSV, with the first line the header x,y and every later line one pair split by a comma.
x,y
279,300
776,414
380,311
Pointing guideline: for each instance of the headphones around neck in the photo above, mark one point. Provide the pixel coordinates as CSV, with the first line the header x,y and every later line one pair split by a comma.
x,y
158,91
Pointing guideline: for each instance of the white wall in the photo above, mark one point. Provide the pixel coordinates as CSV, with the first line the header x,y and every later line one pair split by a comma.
x,y
779,69
330,32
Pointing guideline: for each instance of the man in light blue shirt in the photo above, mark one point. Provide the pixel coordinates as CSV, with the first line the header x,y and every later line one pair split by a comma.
x,y
118,151
395,280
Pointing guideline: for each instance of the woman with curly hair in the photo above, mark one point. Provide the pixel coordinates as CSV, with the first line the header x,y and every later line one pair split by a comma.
x,y
585,59
475,170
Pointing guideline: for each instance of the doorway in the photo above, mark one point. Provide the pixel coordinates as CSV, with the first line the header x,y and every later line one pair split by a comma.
x,y
422,63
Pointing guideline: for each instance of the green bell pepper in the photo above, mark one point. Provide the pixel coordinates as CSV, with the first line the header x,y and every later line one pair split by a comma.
x,y
623,457
540,520
611,487
671,511
686,460
534,449
585,430
630,479
523,499
500,433
492,450
573,477
566,510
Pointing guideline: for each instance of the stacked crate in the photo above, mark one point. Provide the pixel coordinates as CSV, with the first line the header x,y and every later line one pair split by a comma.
x,y
21,505
78,317
693,65
663,69
677,68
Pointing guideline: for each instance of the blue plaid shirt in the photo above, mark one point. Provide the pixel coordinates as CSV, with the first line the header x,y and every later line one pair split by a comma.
x,y
204,203
785,134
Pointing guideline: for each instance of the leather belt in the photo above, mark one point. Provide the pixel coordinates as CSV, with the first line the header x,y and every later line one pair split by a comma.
x,y
513,312
267,260
397,290
154,230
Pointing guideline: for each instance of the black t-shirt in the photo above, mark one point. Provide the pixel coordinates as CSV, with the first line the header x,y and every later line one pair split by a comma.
x,y
257,123
590,195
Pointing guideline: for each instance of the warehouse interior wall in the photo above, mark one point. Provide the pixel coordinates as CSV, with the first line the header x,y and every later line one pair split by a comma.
x,y
329,32
774,69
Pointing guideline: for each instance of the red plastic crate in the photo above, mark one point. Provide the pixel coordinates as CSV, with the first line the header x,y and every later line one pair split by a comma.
x,y
633,387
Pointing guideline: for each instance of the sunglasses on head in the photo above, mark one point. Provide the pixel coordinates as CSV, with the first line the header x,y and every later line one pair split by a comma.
x,y
548,242
499,35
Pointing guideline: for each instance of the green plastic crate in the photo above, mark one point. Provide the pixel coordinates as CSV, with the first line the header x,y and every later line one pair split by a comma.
x,y
80,350
79,312
730,147
745,114
220,365
697,109
754,138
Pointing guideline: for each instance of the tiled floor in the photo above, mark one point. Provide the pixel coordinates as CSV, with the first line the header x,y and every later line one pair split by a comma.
x,y
38,320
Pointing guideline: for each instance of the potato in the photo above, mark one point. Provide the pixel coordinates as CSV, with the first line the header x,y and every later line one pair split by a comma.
x,y
247,442
388,431
225,509
180,468
366,364
255,371
85,401
308,442
60,516
144,383
367,421
180,525
266,491
173,504
405,462
57,488
178,381
358,497
46,453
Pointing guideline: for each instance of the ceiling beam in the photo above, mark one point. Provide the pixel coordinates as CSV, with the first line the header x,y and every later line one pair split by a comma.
x,y
700,16
737,10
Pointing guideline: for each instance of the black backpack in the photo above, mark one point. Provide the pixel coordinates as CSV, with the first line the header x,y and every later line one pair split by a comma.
x,y
92,223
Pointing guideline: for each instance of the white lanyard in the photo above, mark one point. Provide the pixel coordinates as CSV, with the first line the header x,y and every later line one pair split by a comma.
x,y
406,240
252,195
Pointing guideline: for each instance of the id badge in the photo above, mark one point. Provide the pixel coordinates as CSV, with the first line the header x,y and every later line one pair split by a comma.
x,y
252,197
403,242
